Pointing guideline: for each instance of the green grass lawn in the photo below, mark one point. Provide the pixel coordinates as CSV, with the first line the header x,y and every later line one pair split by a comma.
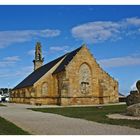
x,y
8,128
93,114
2,104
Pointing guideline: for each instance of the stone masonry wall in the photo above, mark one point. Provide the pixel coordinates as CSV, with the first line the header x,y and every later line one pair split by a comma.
x,y
103,88
34,94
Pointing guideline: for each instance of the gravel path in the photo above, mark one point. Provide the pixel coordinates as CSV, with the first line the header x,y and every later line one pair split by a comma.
x,y
51,124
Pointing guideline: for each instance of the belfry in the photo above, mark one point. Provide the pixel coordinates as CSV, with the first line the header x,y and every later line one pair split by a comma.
x,y
38,61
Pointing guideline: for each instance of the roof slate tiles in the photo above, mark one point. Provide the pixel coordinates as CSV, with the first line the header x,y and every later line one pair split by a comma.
x,y
37,74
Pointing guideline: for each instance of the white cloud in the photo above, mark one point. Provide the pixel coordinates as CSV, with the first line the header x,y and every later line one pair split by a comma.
x,y
21,72
9,61
135,21
99,31
17,74
31,52
120,61
10,37
59,48
133,86
24,71
96,31
12,58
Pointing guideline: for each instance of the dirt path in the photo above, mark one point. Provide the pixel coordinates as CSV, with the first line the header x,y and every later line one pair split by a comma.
x,y
51,124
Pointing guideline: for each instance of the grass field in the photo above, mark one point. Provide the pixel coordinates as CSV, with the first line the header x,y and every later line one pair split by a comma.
x,y
2,104
8,128
93,114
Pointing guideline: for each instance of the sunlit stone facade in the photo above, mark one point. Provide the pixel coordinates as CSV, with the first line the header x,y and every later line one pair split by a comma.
x,y
81,82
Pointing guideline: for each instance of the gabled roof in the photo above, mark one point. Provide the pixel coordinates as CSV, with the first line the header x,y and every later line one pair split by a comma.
x,y
37,74
66,61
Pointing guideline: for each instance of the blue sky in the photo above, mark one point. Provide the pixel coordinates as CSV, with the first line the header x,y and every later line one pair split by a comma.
x,y
112,33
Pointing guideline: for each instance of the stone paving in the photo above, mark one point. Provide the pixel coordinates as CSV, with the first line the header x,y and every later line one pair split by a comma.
x,y
122,116
39,123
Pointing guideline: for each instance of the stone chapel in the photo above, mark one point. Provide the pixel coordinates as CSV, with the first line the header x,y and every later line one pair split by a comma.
x,y
72,79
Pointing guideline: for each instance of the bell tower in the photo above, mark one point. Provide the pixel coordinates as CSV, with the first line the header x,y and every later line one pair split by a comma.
x,y
38,61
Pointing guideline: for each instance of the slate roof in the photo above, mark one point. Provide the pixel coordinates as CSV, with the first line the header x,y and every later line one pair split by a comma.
x,y
37,74
120,94
66,61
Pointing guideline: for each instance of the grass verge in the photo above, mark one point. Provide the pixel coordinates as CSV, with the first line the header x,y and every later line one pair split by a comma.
x,y
8,128
93,114
2,104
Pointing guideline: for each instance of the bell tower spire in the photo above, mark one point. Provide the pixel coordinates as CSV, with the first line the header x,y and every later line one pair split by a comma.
x,y
38,61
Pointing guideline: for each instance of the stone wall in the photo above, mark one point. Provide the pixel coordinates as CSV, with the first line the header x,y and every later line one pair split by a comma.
x,y
36,94
102,87
21,95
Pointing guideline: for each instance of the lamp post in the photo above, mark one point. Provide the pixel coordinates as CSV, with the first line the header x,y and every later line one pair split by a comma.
x,y
8,91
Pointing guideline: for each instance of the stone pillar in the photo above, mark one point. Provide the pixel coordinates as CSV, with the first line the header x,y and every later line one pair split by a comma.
x,y
64,92
32,100
101,99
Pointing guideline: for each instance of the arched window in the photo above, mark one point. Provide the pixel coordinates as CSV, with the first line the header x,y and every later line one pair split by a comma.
x,y
44,88
84,78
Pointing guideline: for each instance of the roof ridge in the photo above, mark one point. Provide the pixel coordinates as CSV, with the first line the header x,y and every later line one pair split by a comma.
x,y
66,60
